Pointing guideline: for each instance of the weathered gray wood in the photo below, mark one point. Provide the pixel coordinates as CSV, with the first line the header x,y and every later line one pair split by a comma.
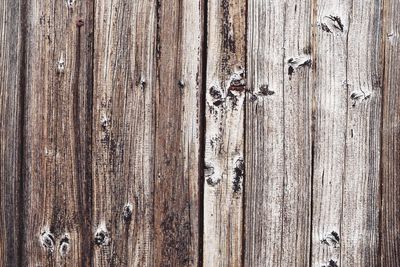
x,y
390,176
224,133
177,134
11,93
57,206
347,140
278,134
123,133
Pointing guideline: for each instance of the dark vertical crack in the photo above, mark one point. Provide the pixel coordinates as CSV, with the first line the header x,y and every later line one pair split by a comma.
x,y
284,135
243,234
313,118
383,98
202,128
23,15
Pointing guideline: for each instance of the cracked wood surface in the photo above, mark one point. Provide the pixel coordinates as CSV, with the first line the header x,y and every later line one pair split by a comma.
x,y
224,133
199,133
348,73
278,134
56,134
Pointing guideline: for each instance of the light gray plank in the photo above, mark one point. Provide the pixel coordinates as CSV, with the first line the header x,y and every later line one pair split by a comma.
x,y
390,216
278,134
347,135
224,134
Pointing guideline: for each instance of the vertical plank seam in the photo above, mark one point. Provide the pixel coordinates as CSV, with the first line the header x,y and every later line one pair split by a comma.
x,y
284,134
156,81
202,129
22,87
313,121
383,88
345,136
90,107
246,50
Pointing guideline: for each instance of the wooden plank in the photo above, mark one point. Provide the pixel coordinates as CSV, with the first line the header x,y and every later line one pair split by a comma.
x,y
278,134
177,134
57,134
347,139
224,134
390,158
123,133
11,93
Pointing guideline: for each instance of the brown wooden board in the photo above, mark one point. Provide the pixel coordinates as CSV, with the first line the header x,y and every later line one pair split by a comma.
x,y
12,37
57,136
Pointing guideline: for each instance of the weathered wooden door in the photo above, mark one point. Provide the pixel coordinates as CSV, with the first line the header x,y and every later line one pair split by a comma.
x,y
199,133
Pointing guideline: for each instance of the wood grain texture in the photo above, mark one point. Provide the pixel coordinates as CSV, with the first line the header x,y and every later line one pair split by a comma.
x,y
347,133
177,134
57,206
224,134
11,105
390,158
123,133
278,134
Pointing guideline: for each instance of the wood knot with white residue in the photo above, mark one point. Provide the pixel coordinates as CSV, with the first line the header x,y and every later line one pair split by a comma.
x,y
70,3
237,80
64,245
102,237
209,173
330,263
47,240
60,66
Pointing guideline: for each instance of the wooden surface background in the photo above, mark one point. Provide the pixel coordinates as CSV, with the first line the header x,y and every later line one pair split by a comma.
x,y
200,133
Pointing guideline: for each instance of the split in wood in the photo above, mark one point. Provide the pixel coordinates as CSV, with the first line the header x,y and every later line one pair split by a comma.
x,y
359,96
332,239
127,212
333,22
298,63
337,22
331,263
